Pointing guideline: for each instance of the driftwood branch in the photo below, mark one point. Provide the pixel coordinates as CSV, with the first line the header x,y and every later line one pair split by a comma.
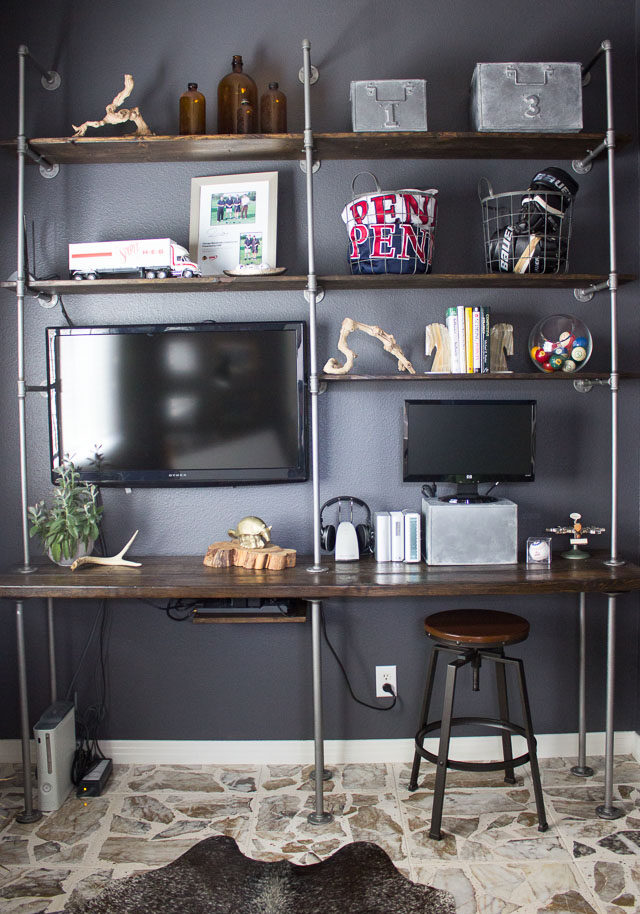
x,y
388,342
112,560
115,116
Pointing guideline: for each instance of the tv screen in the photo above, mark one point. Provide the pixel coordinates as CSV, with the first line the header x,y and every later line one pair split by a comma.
x,y
469,441
180,405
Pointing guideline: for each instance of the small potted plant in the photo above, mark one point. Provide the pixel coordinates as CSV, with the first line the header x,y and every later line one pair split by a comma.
x,y
68,527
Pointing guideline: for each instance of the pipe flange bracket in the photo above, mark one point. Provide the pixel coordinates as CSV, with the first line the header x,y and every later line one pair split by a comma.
x,y
582,166
49,170
319,294
314,167
51,81
313,78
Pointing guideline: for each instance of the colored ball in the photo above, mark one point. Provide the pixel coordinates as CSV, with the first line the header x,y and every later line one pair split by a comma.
x,y
541,356
578,353
556,362
569,365
581,341
566,339
546,366
561,351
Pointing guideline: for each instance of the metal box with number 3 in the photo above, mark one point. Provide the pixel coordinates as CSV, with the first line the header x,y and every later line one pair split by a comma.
x,y
527,97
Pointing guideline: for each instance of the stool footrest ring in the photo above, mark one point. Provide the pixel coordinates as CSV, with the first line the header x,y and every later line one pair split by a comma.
x,y
492,723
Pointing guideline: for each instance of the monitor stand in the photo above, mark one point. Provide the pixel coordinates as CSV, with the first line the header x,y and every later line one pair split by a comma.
x,y
467,494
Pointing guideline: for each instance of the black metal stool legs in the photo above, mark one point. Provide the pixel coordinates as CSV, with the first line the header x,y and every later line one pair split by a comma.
x,y
424,717
443,747
503,705
463,656
531,743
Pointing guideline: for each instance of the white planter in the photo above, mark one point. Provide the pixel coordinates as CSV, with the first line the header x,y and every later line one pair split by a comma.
x,y
81,550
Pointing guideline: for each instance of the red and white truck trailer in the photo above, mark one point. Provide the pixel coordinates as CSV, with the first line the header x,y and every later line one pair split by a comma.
x,y
147,258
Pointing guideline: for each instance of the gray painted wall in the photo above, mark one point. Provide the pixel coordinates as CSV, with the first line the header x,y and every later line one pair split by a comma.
x,y
170,680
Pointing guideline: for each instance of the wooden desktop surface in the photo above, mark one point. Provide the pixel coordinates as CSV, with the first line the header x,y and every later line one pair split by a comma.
x,y
169,577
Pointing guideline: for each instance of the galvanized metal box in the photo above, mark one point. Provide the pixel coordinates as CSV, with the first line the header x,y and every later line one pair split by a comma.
x,y
388,105
470,534
527,97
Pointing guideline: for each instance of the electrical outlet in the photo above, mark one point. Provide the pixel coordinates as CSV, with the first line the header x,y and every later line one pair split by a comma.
x,y
385,674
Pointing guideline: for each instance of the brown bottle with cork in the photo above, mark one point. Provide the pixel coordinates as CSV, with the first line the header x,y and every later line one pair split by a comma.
x,y
232,88
192,111
273,110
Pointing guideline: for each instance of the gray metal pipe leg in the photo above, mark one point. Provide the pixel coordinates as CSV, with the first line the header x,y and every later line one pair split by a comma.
x,y
582,770
607,810
53,678
29,814
319,816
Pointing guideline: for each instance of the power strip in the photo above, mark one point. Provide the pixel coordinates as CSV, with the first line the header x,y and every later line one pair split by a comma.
x,y
95,780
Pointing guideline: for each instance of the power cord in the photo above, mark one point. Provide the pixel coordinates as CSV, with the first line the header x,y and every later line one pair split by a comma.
x,y
387,687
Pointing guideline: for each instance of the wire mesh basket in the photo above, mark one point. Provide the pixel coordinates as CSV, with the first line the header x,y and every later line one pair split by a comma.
x,y
526,231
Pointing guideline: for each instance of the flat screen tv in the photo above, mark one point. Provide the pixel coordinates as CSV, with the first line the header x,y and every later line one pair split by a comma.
x,y
180,404
468,442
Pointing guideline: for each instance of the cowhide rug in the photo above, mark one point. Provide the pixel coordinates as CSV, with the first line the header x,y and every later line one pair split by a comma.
x,y
214,877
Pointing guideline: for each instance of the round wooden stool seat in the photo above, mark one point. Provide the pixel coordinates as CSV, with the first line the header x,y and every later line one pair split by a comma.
x,y
476,627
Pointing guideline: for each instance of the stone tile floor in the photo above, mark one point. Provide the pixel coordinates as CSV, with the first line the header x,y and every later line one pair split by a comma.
x,y
492,857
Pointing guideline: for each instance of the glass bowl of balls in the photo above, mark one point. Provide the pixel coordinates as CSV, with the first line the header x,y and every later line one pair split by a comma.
x,y
560,342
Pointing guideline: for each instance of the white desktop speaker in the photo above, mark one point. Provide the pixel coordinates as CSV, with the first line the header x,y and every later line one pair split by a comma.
x,y
346,542
55,736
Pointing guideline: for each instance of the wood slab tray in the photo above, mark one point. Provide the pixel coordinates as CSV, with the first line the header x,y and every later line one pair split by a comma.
x,y
269,558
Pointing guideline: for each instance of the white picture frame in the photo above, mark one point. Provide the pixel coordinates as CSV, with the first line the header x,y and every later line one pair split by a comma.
x,y
233,221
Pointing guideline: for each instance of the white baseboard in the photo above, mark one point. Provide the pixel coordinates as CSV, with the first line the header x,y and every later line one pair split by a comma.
x,y
356,751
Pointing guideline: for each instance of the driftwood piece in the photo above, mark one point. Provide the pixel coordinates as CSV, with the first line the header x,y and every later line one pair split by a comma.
x,y
437,337
269,558
500,345
121,116
104,560
388,343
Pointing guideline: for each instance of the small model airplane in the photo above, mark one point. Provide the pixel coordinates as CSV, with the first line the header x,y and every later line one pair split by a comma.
x,y
578,537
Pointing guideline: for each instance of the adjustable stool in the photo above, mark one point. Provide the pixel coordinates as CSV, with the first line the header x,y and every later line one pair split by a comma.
x,y
474,635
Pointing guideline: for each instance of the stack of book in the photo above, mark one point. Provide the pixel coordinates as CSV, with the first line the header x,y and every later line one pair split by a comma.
x,y
468,329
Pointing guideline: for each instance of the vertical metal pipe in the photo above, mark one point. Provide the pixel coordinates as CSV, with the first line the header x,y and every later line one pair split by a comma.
x,y
53,678
318,816
608,810
581,769
613,292
312,292
29,814
20,291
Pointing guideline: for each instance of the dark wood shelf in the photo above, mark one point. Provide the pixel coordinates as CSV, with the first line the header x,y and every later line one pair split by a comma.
x,y
487,376
168,577
333,283
98,150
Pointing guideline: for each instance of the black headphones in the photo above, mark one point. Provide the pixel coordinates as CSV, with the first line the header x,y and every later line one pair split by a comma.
x,y
364,532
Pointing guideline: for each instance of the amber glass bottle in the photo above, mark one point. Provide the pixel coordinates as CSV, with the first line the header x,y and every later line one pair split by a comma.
x,y
192,111
246,117
273,110
232,88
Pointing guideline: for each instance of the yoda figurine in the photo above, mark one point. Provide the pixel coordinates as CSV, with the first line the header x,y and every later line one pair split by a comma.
x,y
251,533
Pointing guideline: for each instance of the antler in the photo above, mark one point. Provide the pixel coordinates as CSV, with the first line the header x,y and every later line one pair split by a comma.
x,y
388,343
112,560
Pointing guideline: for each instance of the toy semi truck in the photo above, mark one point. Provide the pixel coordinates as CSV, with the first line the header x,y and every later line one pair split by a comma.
x,y
147,258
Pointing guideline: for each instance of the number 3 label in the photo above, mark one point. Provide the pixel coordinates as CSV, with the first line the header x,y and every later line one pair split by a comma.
x,y
533,105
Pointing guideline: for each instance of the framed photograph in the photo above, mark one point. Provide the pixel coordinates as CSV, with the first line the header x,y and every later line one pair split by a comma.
x,y
234,221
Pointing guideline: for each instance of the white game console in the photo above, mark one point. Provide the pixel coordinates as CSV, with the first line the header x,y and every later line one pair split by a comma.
x,y
397,536
55,736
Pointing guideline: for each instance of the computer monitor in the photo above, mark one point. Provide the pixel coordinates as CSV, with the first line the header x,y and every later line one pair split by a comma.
x,y
468,442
